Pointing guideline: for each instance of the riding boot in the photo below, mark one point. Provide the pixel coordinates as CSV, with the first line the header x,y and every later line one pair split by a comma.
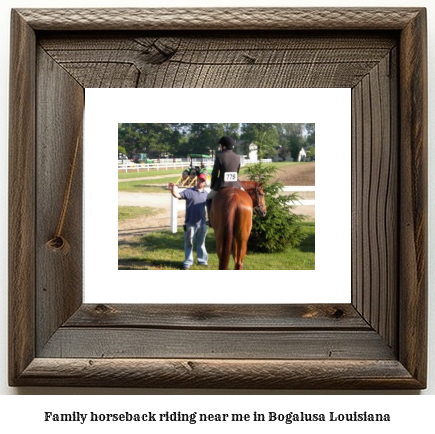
x,y
208,205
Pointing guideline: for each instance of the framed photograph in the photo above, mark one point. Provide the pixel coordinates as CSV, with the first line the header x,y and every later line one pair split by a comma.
x,y
377,341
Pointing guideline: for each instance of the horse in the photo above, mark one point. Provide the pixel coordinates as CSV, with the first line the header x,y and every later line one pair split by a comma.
x,y
231,217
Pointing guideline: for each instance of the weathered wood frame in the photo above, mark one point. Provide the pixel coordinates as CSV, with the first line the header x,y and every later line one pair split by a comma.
x,y
377,341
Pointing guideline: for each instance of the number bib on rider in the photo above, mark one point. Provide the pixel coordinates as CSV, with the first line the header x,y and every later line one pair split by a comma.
x,y
230,176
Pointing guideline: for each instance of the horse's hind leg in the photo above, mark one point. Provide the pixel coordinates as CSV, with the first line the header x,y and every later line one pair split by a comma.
x,y
241,237
220,254
239,250
239,255
223,256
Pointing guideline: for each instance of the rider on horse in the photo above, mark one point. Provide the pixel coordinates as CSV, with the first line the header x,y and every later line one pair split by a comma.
x,y
225,170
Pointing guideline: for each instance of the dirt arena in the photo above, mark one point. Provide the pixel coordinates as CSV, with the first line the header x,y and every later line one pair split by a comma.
x,y
298,174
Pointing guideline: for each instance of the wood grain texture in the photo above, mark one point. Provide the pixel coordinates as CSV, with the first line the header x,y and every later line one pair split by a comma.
x,y
220,317
375,199
228,374
233,343
413,188
59,280
21,197
377,342
232,60
220,18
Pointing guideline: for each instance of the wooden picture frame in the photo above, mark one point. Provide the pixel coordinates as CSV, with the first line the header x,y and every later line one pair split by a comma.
x,y
376,342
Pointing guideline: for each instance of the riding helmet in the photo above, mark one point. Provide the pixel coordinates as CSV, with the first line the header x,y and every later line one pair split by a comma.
x,y
228,142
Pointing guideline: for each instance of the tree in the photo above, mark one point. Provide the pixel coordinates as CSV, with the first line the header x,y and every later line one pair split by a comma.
x,y
231,130
311,134
291,139
121,150
131,138
265,136
182,139
158,140
204,137
311,153
155,140
281,227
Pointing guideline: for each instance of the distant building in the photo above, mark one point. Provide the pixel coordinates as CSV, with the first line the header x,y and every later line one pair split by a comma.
x,y
302,155
251,157
253,152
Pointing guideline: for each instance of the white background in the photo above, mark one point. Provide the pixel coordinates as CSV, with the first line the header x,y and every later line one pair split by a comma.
x,y
412,413
329,109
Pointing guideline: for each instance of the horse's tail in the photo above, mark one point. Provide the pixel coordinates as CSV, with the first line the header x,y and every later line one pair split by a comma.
x,y
228,235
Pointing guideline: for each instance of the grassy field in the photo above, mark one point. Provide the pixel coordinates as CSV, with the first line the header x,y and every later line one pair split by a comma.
x,y
164,251
132,212
144,186
151,173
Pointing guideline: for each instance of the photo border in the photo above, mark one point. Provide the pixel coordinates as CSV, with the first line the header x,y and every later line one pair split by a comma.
x,y
106,107
379,341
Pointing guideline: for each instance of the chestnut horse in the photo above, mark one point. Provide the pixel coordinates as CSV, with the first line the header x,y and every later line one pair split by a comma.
x,y
231,217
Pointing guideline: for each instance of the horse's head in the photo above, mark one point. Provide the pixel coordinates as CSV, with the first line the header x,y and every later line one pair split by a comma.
x,y
259,202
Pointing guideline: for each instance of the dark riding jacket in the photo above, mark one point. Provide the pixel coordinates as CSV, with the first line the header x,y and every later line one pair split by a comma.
x,y
226,161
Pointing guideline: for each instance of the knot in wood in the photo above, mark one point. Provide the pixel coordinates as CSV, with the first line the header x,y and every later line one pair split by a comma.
x,y
103,309
58,244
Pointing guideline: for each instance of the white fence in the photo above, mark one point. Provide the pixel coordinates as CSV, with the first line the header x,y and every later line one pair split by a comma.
x,y
128,166
151,166
163,165
264,160
299,189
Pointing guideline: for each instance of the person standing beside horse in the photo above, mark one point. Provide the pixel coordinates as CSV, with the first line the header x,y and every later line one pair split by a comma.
x,y
225,170
195,221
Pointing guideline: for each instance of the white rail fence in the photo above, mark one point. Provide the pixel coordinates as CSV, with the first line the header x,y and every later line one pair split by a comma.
x,y
301,189
165,165
151,166
264,160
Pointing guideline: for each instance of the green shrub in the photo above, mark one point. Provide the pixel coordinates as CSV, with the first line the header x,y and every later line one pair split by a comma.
x,y
281,227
